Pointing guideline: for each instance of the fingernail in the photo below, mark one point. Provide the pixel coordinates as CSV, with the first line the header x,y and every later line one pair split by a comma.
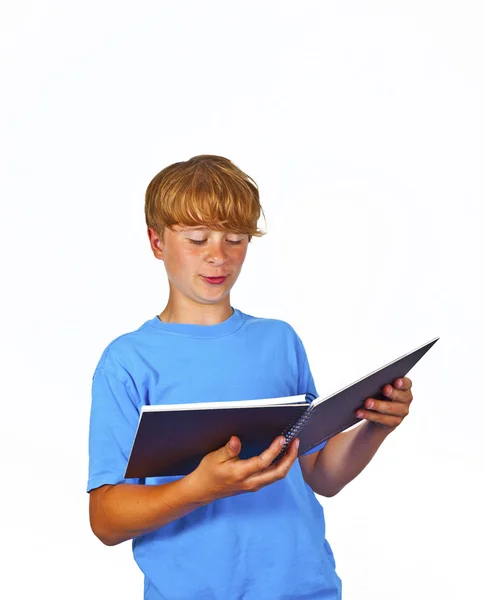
x,y
371,404
282,441
297,444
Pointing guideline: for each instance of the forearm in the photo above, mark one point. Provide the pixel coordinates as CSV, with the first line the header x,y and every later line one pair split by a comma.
x,y
125,511
345,456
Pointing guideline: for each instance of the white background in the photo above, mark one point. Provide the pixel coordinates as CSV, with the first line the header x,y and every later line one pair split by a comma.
x,y
362,124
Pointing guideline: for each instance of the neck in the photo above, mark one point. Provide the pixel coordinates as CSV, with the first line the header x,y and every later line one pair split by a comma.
x,y
196,314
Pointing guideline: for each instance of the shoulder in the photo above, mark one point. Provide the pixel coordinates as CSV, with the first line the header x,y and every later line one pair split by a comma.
x,y
271,326
124,350
279,338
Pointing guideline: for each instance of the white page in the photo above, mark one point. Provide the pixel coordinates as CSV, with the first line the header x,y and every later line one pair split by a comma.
x,y
293,400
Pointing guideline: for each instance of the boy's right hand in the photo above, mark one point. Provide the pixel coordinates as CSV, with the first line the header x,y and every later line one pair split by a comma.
x,y
222,473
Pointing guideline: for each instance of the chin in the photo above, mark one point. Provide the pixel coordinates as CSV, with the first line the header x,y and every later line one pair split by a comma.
x,y
213,299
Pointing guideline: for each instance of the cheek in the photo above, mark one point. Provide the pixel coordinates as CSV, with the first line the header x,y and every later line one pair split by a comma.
x,y
188,255
181,260
239,255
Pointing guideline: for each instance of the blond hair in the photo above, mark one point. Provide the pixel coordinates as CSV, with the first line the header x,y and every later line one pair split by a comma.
x,y
204,190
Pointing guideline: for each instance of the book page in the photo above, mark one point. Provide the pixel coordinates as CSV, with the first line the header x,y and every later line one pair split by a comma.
x,y
293,400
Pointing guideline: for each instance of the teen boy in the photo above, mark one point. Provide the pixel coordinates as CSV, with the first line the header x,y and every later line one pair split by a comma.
x,y
232,529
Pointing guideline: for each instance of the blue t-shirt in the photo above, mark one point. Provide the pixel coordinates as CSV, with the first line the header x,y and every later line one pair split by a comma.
x,y
266,545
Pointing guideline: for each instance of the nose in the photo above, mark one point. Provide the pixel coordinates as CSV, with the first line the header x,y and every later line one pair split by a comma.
x,y
216,253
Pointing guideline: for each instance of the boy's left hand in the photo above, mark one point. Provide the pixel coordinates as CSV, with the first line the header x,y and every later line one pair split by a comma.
x,y
385,414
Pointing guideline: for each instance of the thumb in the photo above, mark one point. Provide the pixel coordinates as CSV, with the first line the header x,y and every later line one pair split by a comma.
x,y
232,448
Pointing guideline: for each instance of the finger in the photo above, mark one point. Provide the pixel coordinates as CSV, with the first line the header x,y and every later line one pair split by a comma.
x,y
284,464
231,449
288,455
276,471
402,383
390,421
397,409
265,459
400,395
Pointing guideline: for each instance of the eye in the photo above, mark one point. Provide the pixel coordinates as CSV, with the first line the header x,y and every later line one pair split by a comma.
x,y
234,242
197,242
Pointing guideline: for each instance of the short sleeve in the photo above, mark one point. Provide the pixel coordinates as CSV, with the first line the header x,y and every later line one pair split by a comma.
x,y
306,383
113,423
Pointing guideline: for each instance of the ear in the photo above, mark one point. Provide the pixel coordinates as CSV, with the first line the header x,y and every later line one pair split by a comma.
x,y
156,243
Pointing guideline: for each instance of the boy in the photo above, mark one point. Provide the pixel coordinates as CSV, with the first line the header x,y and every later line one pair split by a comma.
x,y
233,528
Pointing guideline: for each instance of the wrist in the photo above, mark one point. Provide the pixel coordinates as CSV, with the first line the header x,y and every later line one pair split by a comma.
x,y
195,491
376,430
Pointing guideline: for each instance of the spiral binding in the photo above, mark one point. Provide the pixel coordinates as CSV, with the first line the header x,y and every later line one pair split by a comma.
x,y
293,430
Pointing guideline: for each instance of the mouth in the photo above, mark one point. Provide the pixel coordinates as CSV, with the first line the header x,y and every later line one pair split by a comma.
x,y
215,280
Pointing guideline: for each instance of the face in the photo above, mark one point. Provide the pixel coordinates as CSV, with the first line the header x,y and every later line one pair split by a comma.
x,y
201,264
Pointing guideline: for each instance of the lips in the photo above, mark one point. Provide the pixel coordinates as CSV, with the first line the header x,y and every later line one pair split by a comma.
x,y
215,280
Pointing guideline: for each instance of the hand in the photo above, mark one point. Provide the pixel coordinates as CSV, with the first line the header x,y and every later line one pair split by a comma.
x,y
385,414
222,473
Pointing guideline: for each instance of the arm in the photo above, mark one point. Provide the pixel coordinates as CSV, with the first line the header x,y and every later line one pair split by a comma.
x,y
342,459
348,453
121,512
121,509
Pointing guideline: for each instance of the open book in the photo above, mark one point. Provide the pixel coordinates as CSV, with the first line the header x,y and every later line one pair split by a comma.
x,y
172,439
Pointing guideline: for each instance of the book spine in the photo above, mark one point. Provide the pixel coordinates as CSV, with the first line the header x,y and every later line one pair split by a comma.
x,y
290,433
